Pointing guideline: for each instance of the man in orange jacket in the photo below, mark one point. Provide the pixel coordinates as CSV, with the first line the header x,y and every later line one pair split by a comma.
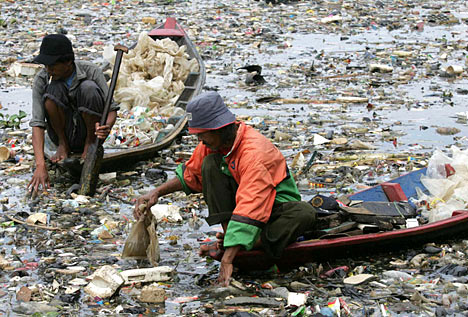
x,y
245,182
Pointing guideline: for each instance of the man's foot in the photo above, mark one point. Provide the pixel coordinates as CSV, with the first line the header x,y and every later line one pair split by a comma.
x,y
61,154
73,166
85,151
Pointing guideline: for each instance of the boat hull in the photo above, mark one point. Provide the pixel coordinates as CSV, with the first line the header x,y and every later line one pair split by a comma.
x,y
348,246
316,250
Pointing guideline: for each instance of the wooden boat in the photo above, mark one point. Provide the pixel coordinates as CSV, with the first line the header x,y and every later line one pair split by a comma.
x,y
115,159
351,245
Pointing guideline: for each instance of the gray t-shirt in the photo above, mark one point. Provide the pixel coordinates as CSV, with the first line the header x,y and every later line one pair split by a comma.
x,y
84,70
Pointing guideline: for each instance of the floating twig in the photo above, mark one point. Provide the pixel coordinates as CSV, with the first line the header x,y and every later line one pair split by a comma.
x,y
33,225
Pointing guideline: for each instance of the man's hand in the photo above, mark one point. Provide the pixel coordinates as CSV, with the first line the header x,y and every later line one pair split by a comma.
x,y
102,131
144,203
39,178
226,267
225,273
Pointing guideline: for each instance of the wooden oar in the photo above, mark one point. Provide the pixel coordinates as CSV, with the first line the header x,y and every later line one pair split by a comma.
x,y
92,164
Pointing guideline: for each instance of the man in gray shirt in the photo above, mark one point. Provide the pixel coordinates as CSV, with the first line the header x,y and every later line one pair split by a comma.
x,y
68,101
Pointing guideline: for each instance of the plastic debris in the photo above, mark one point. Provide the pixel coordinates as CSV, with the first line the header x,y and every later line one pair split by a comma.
x,y
358,279
152,294
105,282
166,212
154,274
296,299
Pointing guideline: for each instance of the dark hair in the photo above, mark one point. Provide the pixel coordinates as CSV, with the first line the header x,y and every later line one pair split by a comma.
x,y
228,133
66,58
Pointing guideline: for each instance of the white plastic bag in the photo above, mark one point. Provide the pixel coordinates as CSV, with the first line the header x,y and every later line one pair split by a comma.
x,y
436,166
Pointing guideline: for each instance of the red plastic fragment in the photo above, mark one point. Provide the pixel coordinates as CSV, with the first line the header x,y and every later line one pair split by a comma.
x,y
393,191
334,271
449,170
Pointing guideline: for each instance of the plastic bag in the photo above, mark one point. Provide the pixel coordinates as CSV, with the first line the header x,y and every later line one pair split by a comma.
x,y
460,162
152,251
142,242
436,166
137,241
439,188
444,210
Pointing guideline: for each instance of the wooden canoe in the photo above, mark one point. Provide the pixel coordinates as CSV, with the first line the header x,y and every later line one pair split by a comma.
x,y
115,159
347,246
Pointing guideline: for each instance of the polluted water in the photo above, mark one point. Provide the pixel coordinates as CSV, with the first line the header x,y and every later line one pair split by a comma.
x,y
353,93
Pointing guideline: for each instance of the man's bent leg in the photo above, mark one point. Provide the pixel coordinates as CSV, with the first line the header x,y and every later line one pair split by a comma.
x,y
90,102
56,116
219,191
59,114
90,123
288,221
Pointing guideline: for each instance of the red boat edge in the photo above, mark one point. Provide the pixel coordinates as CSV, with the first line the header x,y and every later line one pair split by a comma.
x,y
169,28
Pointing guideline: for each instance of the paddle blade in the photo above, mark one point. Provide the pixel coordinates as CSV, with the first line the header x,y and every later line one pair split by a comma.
x,y
90,172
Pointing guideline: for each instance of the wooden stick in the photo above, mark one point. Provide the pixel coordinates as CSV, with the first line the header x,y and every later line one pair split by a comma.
x,y
33,225
241,309
339,76
303,100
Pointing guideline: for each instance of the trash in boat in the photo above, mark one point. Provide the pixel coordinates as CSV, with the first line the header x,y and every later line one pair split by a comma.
x,y
151,79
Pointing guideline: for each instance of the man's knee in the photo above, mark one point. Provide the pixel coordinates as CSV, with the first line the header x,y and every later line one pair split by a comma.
x,y
90,98
88,86
49,104
52,108
305,212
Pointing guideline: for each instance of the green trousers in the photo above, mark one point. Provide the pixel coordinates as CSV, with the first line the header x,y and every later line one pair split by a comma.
x,y
288,220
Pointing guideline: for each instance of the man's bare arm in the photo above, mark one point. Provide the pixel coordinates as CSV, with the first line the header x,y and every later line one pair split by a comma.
x,y
151,198
40,176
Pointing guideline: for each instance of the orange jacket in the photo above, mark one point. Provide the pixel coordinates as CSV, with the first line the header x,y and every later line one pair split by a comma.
x,y
258,167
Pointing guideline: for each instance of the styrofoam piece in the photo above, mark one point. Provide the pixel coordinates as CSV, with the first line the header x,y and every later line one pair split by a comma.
x,y
169,212
4,153
380,68
296,299
412,223
105,282
462,115
318,139
454,69
25,69
153,274
358,279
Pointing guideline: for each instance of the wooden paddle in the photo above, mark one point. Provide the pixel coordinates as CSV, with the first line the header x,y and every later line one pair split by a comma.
x,y
92,163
